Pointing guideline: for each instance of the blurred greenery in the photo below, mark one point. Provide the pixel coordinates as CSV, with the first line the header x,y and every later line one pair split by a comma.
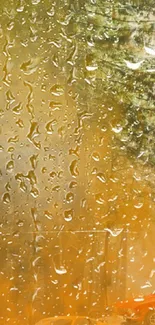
x,y
106,42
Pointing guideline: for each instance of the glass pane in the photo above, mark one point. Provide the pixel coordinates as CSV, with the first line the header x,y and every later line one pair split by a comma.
x,y
77,159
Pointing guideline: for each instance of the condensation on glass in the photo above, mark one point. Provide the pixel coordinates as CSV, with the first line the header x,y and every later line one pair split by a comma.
x,y
77,129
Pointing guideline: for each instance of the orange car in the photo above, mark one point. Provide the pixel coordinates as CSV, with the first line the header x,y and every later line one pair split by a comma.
x,y
138,311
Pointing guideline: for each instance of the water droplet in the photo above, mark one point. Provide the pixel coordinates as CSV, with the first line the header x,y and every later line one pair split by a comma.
x,y
133,66
117,129
31,177
10,166
61,270
33,133
20,7
6,198
96,156
11,149
35,2
34,192
18,108
8,187
56,188
33,160
49,126
23,186
60,174
52,174
57,90
74,169
69,197
31,66
99,198
20,223
51,12
138,205
68,215
73,184
101,177
55,106
13,139
20,123
48,215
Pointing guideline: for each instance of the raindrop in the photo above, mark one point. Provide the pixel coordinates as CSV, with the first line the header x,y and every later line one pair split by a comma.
x,y
23,186
35,2
18,108
10,166
69,197
44,170
33,160
149,50
51,12
49,126
101,177
96,156
57,90
20,7
52,174
117,129
68,215
133,66
138,205
34,192
31,177
74,169
48,215
31,66
55,106
13,139
33,133
11,149
100,198
20,123
20,223
56,188
73,184
6,198
61,270
8,187
90,65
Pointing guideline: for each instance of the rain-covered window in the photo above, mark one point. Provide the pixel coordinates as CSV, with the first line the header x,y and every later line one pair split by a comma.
x,y
77,162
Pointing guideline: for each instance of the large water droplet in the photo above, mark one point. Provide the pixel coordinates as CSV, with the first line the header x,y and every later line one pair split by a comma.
x,y
69,197
6,198
61,270
10,166
68,215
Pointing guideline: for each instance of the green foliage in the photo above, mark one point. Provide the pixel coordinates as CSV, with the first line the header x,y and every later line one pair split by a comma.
x,y
116,36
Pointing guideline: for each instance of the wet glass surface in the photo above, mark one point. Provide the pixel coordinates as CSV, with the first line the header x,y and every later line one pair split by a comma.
x,y
76,156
